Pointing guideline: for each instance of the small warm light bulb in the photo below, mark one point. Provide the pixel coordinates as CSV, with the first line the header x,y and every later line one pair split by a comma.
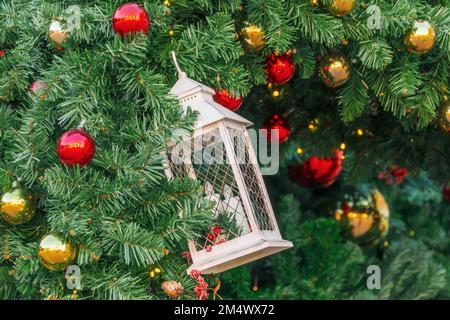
x,y
152,274
342,146
299,150
255,288
386,244
171,32
167,3
275,93
157,270
360,132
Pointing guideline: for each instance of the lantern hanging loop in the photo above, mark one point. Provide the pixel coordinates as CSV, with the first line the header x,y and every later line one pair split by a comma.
x,y
181,73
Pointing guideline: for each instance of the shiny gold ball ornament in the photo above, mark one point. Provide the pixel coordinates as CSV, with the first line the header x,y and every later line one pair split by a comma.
x,y
172,288
252,37
55,253
334,70
18,206
421,38
368,218
58,36
340,8
444,118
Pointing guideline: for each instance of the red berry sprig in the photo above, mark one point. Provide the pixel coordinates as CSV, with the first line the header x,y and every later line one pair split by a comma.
x,y
213,238
201,289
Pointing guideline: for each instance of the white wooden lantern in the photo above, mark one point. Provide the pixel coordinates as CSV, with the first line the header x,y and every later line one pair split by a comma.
x,y
221,156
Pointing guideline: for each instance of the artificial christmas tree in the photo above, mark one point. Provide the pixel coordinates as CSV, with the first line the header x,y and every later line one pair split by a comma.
x,y
130,225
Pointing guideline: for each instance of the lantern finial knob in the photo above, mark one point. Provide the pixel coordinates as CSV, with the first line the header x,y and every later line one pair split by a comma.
x,y
181,73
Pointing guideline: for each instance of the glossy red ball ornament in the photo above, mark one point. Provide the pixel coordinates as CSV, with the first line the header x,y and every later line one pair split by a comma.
x,y
446,193
75,147
317,173
224,98
277,122
279,68
130,18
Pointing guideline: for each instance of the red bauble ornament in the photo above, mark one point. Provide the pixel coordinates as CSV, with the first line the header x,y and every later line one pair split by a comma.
x,y
130,17
224,98
279,68
277,122
2,53
446,193
75,147
317,172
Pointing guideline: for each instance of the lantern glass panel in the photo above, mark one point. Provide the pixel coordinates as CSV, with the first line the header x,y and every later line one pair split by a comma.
x,y
252,178
204,158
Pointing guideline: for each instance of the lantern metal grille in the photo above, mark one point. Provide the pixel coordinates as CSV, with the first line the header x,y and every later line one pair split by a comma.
x,y
220,155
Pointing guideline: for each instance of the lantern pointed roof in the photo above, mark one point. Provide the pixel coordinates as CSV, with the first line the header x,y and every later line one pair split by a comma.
x,y
199,98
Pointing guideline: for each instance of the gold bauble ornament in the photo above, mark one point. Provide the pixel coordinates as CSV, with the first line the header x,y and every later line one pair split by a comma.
x,y
340,7
18,206
55,253
252,37
172,288
369,223
421,38
334,70
58,35
444,118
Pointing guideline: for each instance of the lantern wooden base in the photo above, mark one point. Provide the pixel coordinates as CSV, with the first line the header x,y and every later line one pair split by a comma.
x,y
238,251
